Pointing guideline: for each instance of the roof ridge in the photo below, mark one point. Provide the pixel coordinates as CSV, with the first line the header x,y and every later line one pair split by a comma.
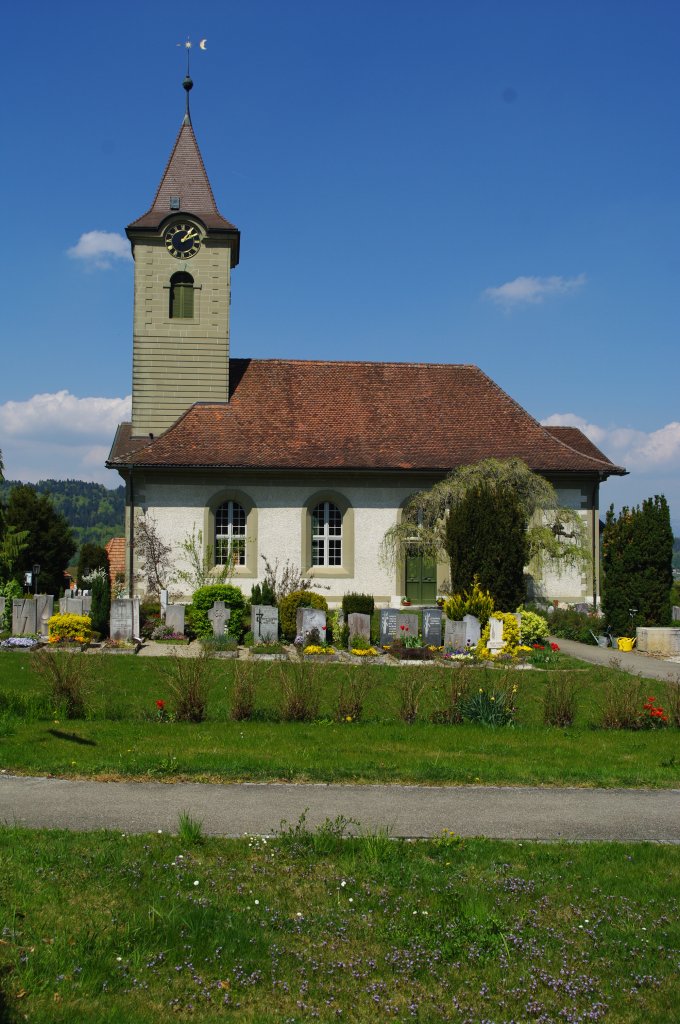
x,y
350,362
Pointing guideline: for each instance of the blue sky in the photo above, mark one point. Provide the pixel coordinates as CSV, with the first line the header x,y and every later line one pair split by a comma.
x,y
484,182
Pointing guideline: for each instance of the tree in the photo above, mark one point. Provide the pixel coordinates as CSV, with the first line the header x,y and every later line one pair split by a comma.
x,y
202,570
553,533
91,557
49,539
486,540
98,582
637,552
154,553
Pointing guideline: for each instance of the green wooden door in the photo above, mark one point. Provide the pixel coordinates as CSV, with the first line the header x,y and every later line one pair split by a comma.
x,y
421,579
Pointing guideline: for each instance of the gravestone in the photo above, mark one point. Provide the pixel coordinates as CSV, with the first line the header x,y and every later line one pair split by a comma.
x,y
124,618
676,613
388,625
67,593
264,623
174,617
308,619
219,616
496,642
87,605
44,610
473,630
432,627
24,617
455,633
359,624
71,606
407,625
164,604
2,606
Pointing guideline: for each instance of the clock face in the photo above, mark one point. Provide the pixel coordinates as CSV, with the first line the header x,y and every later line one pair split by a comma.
x,y
182,241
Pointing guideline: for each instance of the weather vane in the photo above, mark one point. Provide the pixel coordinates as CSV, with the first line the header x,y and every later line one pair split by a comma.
x,y
187,83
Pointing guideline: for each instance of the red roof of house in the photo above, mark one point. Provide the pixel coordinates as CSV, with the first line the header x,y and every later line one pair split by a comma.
x,y
115,549
185,177
292,414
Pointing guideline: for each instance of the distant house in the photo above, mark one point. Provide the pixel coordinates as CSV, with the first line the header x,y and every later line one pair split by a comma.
x,y
309,461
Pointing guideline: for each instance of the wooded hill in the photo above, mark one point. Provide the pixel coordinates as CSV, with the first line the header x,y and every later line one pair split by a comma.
x,y
95,513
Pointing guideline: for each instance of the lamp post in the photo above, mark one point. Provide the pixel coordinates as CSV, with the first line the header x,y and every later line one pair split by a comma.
x,y
36,573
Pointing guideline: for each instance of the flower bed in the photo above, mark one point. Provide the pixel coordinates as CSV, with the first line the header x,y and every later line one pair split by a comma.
x,y
20,643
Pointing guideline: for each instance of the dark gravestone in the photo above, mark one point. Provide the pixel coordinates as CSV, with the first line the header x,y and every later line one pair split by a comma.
x,y
388,625
432,627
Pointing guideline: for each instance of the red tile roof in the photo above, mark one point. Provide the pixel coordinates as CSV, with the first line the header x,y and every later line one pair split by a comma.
x,y
115,549
185,176
291,414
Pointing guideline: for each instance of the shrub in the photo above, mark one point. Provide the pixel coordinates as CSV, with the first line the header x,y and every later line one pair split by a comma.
x,y
189,681
243,695
354,685
623,703
474,601
289,605
298,685
203,600
412,684
453,691
149,617
76,629
363,603
559,701
263,593
534,627
67,676
10,591
495,706
569,624
510,637
98,581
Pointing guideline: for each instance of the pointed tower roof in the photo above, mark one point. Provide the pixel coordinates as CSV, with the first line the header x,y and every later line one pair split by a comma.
x,y
185,188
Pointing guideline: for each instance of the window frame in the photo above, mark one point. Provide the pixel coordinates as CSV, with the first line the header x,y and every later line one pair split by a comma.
x,y
250,567
346,567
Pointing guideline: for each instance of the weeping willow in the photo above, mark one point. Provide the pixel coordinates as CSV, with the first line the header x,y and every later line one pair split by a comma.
x,y
556,536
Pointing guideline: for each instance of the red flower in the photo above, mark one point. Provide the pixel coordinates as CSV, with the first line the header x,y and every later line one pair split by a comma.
x,y
160,704
554,647
538,647
402,627
324,628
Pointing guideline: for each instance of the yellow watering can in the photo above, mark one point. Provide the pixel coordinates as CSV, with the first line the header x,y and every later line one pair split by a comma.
x,y
626,644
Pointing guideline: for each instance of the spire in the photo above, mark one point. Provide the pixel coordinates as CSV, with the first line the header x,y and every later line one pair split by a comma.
x,y
188,85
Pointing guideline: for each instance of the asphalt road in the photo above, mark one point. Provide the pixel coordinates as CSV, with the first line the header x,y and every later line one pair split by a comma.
x,y
406,811
630,661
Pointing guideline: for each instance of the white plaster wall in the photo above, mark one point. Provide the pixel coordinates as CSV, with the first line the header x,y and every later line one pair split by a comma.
x,y
178,509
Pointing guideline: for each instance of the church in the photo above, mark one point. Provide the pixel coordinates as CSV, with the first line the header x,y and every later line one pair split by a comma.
x,y
306,461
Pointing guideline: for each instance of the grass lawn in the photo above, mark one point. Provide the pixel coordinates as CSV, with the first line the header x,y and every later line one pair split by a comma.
x,y
120,734
105,928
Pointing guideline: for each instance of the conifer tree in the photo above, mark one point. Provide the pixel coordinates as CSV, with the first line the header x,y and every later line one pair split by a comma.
x,y
637,553
486,537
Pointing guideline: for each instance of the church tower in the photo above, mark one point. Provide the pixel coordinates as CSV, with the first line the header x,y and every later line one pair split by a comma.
x,y
184,251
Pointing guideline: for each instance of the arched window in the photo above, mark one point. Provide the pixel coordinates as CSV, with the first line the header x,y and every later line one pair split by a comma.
x,y
230,534
326,534
181,296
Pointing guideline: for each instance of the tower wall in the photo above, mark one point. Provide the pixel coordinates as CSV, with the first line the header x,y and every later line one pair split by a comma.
x,y
177,362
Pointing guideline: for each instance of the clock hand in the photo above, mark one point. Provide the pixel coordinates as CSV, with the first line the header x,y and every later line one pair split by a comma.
x,y
189,234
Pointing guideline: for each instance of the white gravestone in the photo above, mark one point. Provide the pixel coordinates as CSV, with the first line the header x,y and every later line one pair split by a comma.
x,y
124,618
496,642
359,624
308,619
24,617
71,606
219,616
675,613
454,635
174,618
264,623
2,607
44,610
473,630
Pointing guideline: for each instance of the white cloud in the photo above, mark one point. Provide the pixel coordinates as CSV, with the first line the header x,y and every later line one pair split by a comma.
x,y
59,436
532,290
636,449
99,248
